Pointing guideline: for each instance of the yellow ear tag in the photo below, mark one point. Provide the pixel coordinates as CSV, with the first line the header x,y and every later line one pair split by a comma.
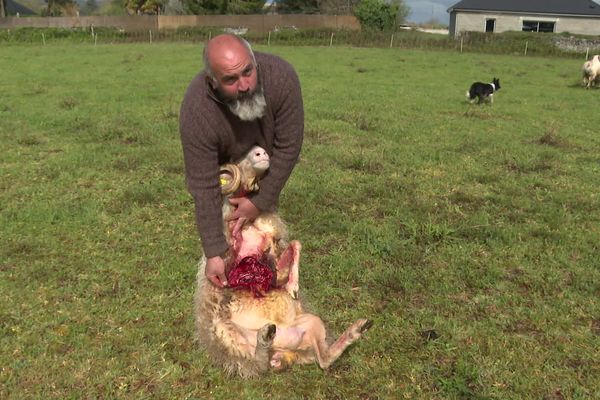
x,y
224,181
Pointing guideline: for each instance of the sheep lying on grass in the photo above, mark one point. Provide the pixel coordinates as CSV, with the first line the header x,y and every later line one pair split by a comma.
x,y
248,332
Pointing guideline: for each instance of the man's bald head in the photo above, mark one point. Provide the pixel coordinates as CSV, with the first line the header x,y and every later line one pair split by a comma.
x,y
231,71
224,52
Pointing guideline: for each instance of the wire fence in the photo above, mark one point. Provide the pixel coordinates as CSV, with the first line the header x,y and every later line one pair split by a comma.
x,y
514,43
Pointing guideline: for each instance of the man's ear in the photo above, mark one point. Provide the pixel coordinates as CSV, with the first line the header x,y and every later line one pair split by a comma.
x,y
211,82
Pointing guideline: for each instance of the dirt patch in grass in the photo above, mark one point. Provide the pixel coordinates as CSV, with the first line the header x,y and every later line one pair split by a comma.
x,y
6,267
322,136
31,140
475,113
551,138
595,327
466,201
556,394
68,103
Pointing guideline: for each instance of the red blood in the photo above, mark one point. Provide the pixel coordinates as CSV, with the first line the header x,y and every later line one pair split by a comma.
x,y
253,274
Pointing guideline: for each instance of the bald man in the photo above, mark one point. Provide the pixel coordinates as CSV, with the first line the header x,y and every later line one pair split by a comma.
x,y
241,99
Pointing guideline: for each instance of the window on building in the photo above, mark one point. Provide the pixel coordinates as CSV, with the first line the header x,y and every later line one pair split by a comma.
x,y
538,26
546,27
490,24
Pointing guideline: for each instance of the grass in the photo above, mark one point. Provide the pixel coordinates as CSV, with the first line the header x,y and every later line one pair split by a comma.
x,y
469,234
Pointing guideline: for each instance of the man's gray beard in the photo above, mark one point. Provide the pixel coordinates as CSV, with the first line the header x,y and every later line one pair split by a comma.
x,y
250,108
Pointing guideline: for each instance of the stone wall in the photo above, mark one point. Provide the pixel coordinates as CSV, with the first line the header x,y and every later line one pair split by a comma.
x,y
578,45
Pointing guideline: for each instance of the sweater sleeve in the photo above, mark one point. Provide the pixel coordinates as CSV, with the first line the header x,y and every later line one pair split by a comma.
x,y
200,154
288,137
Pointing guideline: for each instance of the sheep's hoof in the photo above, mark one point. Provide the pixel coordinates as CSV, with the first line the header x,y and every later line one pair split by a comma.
x,y
266,334
366,326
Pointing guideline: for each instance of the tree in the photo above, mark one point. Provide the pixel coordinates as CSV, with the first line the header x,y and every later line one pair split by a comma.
x,y
298,6
402,11
114,7
174,7
381,16
338,7
244,6
89,7
200,7
152,7
2,8
57,8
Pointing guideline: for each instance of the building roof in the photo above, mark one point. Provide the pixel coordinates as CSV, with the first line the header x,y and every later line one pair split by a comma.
x,y
12,8
562,7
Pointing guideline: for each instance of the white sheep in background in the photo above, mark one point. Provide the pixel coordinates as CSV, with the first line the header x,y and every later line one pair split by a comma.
x,y
591,71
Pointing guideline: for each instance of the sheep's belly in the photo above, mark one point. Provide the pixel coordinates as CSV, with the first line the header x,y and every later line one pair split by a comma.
x,y
277,307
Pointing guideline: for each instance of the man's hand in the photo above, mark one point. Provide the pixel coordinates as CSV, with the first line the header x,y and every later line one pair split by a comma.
x,y
244,208
215,271
244,211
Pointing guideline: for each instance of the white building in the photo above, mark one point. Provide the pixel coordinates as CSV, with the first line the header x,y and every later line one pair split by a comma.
x,y
574,16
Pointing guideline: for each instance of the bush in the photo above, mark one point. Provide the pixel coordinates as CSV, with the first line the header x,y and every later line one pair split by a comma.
x,y
376,15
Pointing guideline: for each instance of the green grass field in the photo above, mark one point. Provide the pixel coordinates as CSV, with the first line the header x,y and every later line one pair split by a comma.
x,y
415,209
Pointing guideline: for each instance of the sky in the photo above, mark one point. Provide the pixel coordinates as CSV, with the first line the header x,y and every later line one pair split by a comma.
x,y
425,10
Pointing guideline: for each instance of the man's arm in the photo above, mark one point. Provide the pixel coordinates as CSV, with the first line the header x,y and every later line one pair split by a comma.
x,y
208,206
200,154
289,133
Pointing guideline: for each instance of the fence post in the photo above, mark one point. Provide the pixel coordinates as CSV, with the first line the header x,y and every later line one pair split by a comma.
x,y
92,30
43,39
95,39
461,43
209,35
392,41
269,39
150,35
331,40
526,44
587,53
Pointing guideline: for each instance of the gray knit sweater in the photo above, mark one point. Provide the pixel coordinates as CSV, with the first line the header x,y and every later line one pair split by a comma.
x,y
211,136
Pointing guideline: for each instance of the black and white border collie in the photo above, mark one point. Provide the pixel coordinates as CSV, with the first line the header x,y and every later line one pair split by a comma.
x,y
483,91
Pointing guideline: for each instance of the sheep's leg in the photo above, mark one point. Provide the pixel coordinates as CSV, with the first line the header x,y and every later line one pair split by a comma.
x,y
289,264
327,355
590,78
238,341
245,351
264,342
315,338
245,343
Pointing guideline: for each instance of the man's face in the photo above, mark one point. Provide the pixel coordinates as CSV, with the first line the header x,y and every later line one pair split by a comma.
x,y
235,79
